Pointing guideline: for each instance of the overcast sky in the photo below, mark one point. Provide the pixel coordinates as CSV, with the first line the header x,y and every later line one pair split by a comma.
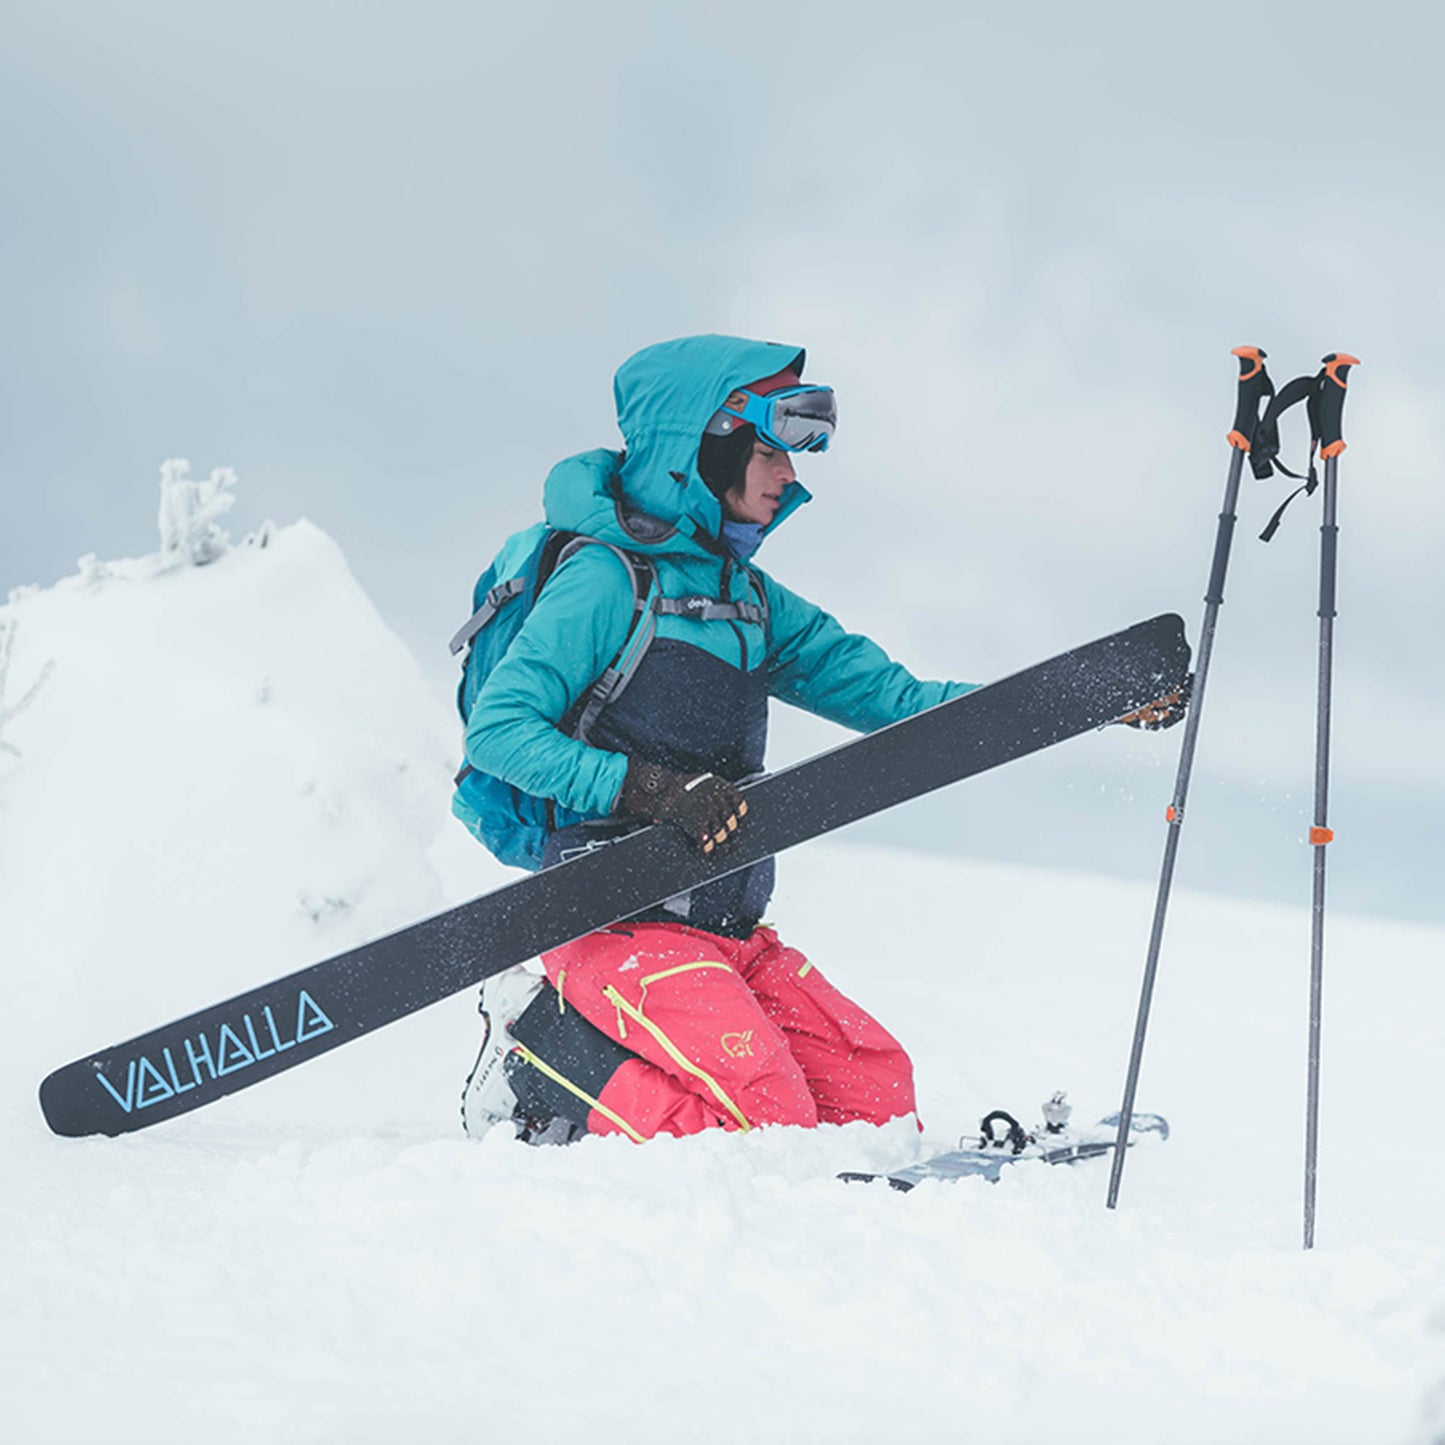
x,y
384,258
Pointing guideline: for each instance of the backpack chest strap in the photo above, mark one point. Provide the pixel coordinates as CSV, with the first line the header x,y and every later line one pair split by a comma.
x,y
708,609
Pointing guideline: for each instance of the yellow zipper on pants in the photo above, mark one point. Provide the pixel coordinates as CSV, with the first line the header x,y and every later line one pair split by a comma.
x,y
683,968
545,1068
676,1054
672,972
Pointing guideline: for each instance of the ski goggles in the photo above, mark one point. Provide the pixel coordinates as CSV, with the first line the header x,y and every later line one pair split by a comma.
x,y
793,419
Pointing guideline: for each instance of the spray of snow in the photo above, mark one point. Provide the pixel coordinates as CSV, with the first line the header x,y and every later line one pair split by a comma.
x,y
234,769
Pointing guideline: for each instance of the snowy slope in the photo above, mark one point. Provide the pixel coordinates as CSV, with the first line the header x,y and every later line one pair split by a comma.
x,y
232,770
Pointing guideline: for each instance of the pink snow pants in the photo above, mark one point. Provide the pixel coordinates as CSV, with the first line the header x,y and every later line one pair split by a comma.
x,y
728,1032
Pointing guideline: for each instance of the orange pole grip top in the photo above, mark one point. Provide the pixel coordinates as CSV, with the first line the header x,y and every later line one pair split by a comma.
x,y
1332,402
1254,384
1250,353
1334,361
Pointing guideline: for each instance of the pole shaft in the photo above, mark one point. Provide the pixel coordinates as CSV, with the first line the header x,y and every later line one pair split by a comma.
x,y
1213,599
1329,539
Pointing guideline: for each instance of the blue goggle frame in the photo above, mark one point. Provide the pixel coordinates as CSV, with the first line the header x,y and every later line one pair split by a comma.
x,y
792,419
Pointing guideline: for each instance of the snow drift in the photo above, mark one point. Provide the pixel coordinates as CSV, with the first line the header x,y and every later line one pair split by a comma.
x,y
224,771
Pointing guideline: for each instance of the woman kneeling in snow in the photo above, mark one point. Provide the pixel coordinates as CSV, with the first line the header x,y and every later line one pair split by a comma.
x,y
696,1015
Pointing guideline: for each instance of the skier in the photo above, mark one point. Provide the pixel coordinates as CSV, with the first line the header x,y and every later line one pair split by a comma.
x,y
695,1014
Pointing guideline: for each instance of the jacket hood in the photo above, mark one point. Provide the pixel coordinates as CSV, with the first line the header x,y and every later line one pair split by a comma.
x,y
666,394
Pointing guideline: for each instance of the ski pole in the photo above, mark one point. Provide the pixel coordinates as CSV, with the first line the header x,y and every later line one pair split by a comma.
x,y
1254,386
1331,414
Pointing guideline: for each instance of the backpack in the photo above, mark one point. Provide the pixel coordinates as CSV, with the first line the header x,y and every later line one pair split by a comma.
x,y
512,824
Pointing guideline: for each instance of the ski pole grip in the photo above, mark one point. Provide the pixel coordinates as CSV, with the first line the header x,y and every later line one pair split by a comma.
x,y
1332,401
1254,384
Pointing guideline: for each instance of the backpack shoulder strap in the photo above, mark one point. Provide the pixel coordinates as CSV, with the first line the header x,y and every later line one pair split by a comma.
x,y
498,597
765,610
501,594
640,632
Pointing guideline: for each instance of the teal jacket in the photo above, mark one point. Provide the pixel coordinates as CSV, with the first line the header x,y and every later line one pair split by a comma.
x,y
649,499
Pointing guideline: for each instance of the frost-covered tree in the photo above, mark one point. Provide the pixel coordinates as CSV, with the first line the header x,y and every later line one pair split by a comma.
x,y
8,628
189,534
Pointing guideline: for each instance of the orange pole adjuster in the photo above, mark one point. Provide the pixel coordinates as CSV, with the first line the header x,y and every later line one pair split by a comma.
x,y
1170,813
1320,836
1238,442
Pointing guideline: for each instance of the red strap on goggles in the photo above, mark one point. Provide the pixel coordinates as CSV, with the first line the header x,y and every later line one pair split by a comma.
x,y
792,419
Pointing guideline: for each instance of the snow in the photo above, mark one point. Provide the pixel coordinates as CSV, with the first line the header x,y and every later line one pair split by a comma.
x,y
231,770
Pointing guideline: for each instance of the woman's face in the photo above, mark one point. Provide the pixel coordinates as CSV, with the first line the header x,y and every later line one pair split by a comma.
x,y
760,493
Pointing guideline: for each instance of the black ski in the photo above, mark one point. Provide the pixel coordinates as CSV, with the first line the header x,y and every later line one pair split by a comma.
x,y
232,1045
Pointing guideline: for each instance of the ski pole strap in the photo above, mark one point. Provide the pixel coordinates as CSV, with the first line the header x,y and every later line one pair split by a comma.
x,y
1254,386
1324,396
1272,526
1264,456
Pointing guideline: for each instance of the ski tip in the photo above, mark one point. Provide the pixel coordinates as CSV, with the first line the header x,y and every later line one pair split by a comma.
x,y
1178,639
65,1112
54,1099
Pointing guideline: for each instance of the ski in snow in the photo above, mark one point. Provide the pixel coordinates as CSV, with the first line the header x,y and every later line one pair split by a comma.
x,y
1053,1142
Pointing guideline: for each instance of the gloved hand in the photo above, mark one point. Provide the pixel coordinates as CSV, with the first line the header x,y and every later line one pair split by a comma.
x,y
1163,712
706,807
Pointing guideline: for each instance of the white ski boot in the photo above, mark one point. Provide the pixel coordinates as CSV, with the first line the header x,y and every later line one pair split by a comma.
x,y
487,1096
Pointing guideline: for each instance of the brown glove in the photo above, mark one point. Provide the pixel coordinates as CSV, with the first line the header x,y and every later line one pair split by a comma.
x,y
706,807
1163,712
